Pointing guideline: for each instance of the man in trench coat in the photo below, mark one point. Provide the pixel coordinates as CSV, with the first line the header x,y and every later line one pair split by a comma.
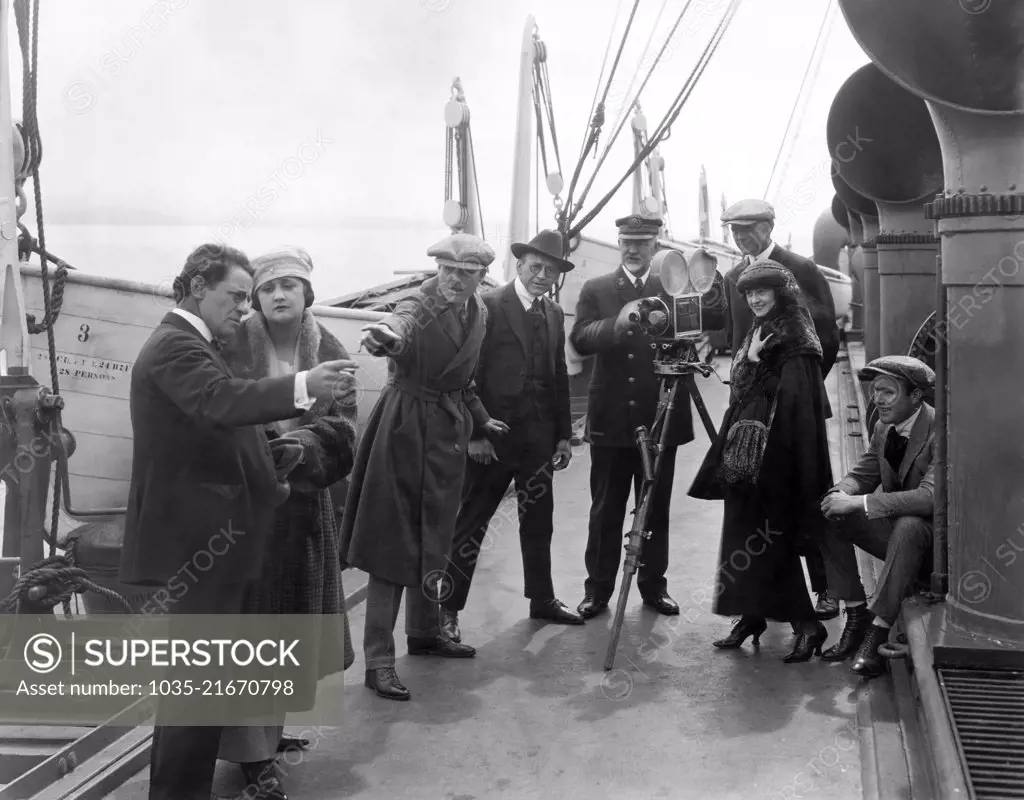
x,y
752,222
405,487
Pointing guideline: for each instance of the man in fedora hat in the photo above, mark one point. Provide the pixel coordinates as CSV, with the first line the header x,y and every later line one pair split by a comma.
x,y
624,395
752,222
522,379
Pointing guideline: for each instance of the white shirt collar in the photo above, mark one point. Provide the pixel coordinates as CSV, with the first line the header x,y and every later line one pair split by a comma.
x,y
766,252
195,322
905,427
524,296
643,276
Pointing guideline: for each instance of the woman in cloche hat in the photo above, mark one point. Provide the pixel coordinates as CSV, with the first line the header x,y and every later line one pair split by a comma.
x,y
770,464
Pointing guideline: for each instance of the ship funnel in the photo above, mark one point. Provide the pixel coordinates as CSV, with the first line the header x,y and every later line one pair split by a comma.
x,y
828,240
864,262
969,68
884,147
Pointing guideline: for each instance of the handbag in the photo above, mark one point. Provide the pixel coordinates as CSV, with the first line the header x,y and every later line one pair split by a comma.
x,y
744,448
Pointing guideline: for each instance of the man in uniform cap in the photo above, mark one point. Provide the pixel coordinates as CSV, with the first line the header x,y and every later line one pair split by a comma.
x,y
884,506
623,396
522,377
399,517
752,222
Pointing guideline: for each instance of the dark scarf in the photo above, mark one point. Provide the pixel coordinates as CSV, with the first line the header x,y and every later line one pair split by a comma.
x,y
793,335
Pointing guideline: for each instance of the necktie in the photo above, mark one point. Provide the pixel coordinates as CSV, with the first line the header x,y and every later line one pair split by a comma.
x,y
895,449
639,284
535,306
463,315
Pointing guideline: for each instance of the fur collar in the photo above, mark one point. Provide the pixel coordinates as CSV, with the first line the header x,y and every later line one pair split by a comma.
x,y
793,335
248,355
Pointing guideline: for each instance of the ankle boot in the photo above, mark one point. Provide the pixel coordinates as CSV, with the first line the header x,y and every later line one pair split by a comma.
x,y
858,620
747,626
868,663
806,645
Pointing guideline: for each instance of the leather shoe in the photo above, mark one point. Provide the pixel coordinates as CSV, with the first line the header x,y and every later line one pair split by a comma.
x,y
662,603
858,621
827,606
591,606
554,611
439,646
868,663
807,645
385,683
450,625
261,776
746,627
292,743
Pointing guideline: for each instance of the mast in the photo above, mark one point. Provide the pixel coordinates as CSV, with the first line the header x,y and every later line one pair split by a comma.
x,y
14,341
519,216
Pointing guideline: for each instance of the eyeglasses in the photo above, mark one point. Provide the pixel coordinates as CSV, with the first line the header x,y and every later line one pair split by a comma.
x,y
549,270
242,300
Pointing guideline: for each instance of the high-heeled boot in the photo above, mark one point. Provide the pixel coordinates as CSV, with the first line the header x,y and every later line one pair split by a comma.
x,y
858,620
807,645
747,626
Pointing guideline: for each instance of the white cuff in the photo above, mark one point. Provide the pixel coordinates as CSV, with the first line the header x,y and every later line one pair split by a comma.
x,y
302,392
865,499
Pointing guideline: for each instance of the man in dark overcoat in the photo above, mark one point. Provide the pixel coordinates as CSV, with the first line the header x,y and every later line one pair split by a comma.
x,y
203,477
405,487
522,378
752,222
623,395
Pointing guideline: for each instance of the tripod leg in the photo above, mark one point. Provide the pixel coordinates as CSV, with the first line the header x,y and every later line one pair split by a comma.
x,y
635,539
698,401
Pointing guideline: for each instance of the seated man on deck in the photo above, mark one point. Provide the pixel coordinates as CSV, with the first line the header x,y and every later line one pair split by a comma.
x,y
892,517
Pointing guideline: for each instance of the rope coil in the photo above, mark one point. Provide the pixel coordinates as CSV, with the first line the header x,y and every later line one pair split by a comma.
x,y
62,580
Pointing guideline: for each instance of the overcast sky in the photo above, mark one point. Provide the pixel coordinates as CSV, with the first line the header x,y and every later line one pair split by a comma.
x,y
180,110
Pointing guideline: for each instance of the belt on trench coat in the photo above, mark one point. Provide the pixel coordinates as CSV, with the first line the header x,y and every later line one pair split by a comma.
x,y
448,401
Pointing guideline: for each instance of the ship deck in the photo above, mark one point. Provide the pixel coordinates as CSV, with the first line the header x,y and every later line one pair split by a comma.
x,y
534,715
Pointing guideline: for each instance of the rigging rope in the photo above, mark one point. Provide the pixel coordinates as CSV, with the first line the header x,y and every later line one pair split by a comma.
x,y
598,120
815,62
615,134
57,573
663,129
654,28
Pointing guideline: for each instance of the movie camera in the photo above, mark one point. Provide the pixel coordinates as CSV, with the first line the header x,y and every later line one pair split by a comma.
x,y
675,327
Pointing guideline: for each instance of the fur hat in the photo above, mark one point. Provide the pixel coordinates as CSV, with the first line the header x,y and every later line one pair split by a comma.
x,y
765,274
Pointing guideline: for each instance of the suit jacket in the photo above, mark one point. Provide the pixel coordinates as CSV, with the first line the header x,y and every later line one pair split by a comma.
x,y
200,500
908,493
817,295
624,390
501,370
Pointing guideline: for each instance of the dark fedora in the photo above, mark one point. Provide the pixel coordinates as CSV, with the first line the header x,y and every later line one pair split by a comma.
x,y
546,243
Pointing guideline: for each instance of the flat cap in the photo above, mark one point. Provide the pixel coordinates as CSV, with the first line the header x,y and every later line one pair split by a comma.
x,y
906,368
764,273
462,251
748,212
637,227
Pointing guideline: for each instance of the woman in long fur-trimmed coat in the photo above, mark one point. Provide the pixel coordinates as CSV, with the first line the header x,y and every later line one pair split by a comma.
x,y
302,572
770,464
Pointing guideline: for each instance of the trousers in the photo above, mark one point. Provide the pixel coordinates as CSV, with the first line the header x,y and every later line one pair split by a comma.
x,y
613,472
903,543
383,601
483,491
